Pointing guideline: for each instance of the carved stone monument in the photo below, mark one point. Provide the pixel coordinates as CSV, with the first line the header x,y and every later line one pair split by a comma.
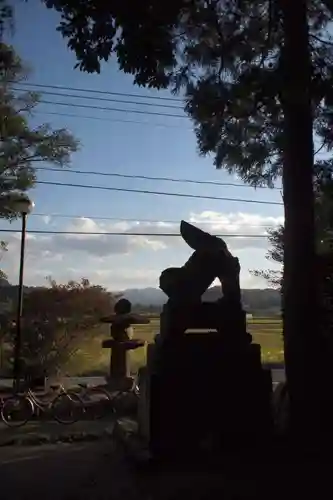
x,y
121,343
203,389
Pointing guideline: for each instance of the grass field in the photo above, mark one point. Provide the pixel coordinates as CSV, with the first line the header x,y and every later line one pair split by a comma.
x,y
265,331
91,359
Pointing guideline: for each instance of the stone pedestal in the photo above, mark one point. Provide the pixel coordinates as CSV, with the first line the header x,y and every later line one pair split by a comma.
x,y
119,361
197,391
144,404
121,343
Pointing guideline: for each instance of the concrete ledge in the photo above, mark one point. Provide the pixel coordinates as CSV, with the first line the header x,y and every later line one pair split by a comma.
x,y
41,439
50,433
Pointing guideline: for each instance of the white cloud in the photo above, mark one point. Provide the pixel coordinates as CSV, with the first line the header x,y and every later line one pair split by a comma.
x,y
252,228
46,219
95,253
116,279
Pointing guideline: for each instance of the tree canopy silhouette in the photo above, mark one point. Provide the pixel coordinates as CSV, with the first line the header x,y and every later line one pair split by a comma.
x,y
323,220
21,145
256,77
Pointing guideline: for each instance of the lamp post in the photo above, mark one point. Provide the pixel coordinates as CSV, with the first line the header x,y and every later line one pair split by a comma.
x,y
18,203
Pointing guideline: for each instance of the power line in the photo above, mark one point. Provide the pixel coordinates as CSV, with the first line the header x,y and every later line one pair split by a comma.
x,y
161,193
153,221
105,99
85,233
102,92
112,120
89,106
149,178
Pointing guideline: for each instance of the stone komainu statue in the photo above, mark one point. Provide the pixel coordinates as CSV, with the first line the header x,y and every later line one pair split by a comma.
x,y
211,259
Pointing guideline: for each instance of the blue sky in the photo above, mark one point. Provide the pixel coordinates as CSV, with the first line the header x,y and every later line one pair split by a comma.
x,y
155,146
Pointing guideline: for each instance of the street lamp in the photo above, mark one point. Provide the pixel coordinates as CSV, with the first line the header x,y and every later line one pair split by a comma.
x,y
18,203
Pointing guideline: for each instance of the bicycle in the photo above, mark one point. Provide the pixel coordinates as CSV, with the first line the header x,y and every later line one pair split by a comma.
x,y
97,401
18,409
119,397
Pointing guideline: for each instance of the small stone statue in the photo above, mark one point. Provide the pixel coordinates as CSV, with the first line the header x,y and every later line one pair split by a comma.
x,y
122,319
123,306
121,343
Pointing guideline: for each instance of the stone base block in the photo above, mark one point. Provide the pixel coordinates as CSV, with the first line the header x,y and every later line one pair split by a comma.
x,y
195,390
119,384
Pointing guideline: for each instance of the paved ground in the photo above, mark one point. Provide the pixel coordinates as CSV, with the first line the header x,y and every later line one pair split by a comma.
x,y
64,472
99,471
96,471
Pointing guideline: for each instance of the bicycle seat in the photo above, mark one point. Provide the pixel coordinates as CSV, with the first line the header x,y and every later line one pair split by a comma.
x,y
83,385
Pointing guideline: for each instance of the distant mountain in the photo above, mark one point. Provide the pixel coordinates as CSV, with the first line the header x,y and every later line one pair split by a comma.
x,y
4,282
9,294
146,296
261,302
256,301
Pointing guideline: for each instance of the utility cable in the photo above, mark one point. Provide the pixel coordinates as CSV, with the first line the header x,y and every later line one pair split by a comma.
x,y
105,99
160,193
96,91
127,233
149,178
142,221
101,108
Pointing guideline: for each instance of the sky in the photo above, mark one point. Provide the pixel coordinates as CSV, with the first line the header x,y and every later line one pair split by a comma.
x,y
153,145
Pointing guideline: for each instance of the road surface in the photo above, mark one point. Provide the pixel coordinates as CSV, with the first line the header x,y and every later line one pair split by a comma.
x,y
64,472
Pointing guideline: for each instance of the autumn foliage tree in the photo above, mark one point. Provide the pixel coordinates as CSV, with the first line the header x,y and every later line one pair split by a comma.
x,y
59,318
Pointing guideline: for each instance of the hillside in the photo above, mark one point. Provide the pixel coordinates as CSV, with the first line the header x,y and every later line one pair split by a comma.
x,y
261,302
8,295
264,302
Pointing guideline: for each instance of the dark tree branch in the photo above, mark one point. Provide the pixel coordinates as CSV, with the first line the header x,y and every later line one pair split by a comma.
x,y
320,148
327,42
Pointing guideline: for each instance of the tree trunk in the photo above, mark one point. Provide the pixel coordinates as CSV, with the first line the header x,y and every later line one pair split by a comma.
x,y
299,283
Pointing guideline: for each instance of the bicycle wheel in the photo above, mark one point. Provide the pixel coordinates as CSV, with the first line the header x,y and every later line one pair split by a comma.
x,y
17,410
97,403
67,408
125,403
